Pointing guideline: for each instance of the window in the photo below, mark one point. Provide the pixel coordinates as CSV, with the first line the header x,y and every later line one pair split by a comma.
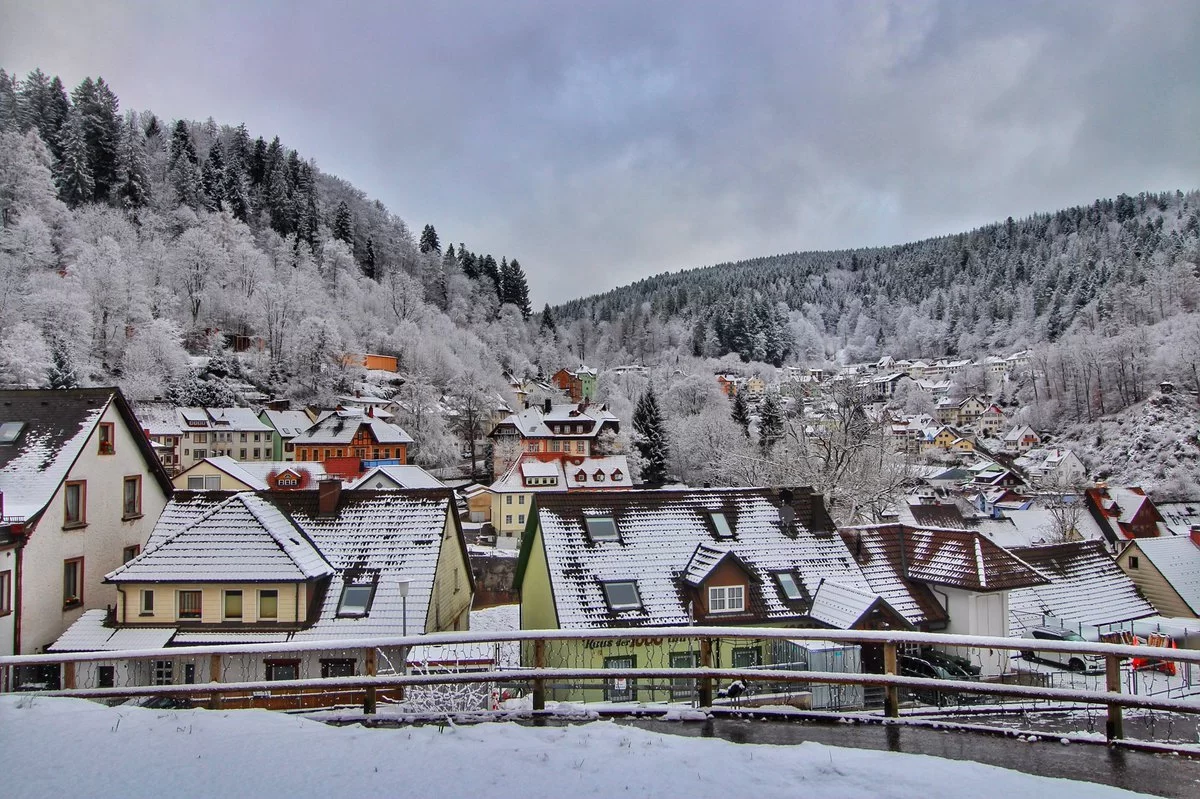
x,y
555,444
131,497
520,518
147,603
189,673
356,599
243,436
258,452
268,604
746,657
602,528
258,436
5,593
622,595
129,553
520,499
195,483
721,524
508,499
283,669
683,689
72,583
201,438
1134,562
242,454
189,604
789,586
338,667
9,431
107,439
106,676
75,501
581,476
233,604
508,518
201,454
617,476
620,689
726,598
579,447
339,453
162,672
598,476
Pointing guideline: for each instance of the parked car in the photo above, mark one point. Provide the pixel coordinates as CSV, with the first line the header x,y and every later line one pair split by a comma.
x,y
955,664
911,666
1073,661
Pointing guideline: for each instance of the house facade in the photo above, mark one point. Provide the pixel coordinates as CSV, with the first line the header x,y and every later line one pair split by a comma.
x,y
233,432
557,429
1167,572
226,474
349,441
579,384
285,426
81,488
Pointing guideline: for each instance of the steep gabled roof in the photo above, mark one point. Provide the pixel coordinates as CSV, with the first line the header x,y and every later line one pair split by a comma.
x,y
404,476
256,474
289,424
843,607
340,427
1086,587
1177,559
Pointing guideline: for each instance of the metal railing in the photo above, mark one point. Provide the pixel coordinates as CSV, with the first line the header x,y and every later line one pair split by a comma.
x,y
694,660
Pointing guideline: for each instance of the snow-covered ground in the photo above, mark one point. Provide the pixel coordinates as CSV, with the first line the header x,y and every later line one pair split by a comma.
x,y
72,747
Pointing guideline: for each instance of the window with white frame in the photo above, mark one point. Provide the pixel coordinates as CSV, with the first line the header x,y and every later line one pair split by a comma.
x,y
147,603
726,598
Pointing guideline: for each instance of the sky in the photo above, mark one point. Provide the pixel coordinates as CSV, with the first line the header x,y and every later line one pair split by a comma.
x,y
601,143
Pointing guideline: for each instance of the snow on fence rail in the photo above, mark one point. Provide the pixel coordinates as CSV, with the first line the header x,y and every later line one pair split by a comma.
x,y
469,670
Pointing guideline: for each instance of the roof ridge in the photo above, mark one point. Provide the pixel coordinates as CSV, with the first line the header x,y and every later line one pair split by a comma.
x,y
269,528
173,536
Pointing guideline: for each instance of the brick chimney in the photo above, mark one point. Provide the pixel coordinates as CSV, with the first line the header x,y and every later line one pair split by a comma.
x,y
546,406
328,493
1195,534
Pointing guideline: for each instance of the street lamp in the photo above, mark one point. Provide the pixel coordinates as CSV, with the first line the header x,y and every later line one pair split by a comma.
x,y
403,586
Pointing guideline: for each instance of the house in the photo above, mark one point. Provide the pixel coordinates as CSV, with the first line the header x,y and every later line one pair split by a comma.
x,y
370,361
160,424
756,388
535,473
285,426
729,384
80,489
1055,467
223,473
235,432
1180,517
991,421
564,429
1021,438
349,441
1087,587
1167,572
265,567
1124,513
397,478
969,576
580,384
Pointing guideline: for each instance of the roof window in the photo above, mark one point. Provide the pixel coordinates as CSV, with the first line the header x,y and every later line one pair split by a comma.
x,y
356,599
9,431
789,586
622,595
722,525
602,528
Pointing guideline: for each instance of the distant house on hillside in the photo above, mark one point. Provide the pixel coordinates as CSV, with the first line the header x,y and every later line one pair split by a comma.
x,y
562,429
580,384
1124,513
349,441
286,425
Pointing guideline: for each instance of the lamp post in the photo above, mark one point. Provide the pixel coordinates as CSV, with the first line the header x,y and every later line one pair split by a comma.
x,y
403,586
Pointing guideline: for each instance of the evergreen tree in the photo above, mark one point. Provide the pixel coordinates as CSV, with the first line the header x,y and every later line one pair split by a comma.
x,y
650,438
26,107
489,268
343,224
548,325
153,127
234,192
770,423
74,173
369,268
10,111
183,167
468,262
62,369
308,215
518,289
97,106
741,412
135,183
212,178
429,240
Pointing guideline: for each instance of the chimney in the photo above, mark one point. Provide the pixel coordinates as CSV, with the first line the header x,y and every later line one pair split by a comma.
x,y
328,493
546,406
371,411
1195,534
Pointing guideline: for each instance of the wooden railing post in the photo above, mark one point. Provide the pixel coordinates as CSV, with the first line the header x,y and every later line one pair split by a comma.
x,y
1115,726
891,693
214,675
539,685
69,675
705,694
369,669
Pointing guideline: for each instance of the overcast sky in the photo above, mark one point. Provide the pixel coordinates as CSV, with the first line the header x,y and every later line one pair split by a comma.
x,y
607,141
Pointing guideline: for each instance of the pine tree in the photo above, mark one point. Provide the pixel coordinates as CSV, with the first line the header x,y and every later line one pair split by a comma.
x,y
183,167
518,289
343,224
10,109
369,268
234,192
31,100
429,240
135,182
153,128
770,423
74,174
741,412
468,262
62,370
97,106
488,267
548,325
650,438
212,178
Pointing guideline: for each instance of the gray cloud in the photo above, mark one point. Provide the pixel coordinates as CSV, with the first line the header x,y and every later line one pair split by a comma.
x,y
606,142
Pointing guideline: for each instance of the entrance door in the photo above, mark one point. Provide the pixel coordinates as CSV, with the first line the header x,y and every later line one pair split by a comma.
x,y
620,689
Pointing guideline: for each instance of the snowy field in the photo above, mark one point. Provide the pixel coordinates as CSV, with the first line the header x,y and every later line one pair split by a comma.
x,y
72,747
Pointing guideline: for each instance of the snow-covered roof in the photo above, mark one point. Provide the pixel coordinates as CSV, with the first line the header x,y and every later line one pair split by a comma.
x,y
241,420
244,539
534,421
706,558
158,419
256,474
841,606
1177,558
659,534
289,424
570,473
1086,587
402,476
536,468
88,634
340,427
1180,517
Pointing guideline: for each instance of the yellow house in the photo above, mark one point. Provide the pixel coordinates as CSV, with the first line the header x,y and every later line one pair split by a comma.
x,y
226,474
286,566
1167,572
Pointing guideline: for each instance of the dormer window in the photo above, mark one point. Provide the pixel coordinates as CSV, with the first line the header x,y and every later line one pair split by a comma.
x,y
598,476
617,476
602,528
622,595
789,586
726,598
356,599
721,524
581,476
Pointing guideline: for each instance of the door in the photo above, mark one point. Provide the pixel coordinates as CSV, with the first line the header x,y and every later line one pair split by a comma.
x,y
620,689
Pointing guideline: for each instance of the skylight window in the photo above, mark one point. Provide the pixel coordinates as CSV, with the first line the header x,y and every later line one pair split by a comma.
x,y
602,528
722,524
356,600
623,595
9,431
789,586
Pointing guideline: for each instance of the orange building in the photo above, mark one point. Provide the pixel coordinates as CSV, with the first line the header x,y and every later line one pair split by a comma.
x,y
349,441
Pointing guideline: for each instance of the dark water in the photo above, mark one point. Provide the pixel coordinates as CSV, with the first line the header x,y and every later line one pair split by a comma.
x,y
1159,774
